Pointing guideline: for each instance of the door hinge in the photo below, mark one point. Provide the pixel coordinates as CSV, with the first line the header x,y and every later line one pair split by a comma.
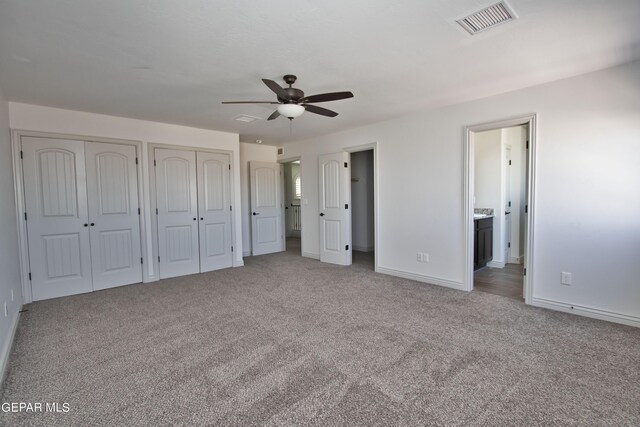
x,y
526,208
138,211
509,162
136,160
154,162
527,145
229,166
156,211
509,244
25,216
29,275
525,272
346,247
141,260
346,205
231,248
21,155
158,258
346,165
230,208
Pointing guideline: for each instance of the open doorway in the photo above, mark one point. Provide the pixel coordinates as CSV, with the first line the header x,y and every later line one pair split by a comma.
x,y
343,177
292,206
362,213
500,206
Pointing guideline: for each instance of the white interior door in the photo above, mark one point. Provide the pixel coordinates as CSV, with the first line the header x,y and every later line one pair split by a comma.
x,y
335,208
177,204
214,206
114,227
266,208
57,217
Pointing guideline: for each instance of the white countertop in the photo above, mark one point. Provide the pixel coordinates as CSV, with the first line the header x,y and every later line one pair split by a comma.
x,y
481,216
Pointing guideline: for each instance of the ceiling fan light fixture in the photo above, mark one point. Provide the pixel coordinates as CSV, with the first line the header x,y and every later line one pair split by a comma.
x,y
290,110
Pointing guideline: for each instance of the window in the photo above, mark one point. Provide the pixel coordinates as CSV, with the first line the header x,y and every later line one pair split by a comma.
x,y
298,192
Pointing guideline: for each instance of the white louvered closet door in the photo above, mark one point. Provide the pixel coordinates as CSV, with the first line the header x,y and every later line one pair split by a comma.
x,y
57,217
114,229
177,202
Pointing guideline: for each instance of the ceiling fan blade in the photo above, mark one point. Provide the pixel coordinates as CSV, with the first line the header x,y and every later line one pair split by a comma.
x,y
277,89
275,115
320,110
249,102
324,97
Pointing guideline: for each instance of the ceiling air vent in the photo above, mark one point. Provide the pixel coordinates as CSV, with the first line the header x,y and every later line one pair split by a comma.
x,y
245,118
488,17
280,151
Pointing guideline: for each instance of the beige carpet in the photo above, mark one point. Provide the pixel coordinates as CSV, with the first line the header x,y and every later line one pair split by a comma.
x,y
290,341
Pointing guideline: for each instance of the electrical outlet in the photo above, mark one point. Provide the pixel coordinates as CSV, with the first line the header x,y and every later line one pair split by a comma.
x,y
6,313
565,278
419,256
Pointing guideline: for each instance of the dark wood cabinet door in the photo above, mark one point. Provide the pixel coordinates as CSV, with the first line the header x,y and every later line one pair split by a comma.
x,y
483,244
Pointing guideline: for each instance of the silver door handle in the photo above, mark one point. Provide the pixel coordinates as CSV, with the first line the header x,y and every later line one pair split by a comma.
x,y
255,213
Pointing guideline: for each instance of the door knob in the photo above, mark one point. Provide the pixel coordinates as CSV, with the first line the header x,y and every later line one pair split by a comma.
x,y
86,225
93,223
321,213
201,219
195,219
255,213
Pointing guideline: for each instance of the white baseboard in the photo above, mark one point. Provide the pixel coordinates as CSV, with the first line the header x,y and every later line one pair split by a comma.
x,y
496,264
595,313
238,263
310,255
516,259
7,346
421,278
363,248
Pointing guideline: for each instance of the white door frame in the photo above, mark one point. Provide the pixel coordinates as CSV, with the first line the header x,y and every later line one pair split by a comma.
x,y
18,182
366,147
154,265
469,181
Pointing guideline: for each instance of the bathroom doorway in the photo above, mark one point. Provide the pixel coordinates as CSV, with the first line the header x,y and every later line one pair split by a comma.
x,y
499,205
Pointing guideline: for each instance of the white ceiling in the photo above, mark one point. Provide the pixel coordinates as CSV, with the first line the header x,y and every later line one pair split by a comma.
x,y
175,60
